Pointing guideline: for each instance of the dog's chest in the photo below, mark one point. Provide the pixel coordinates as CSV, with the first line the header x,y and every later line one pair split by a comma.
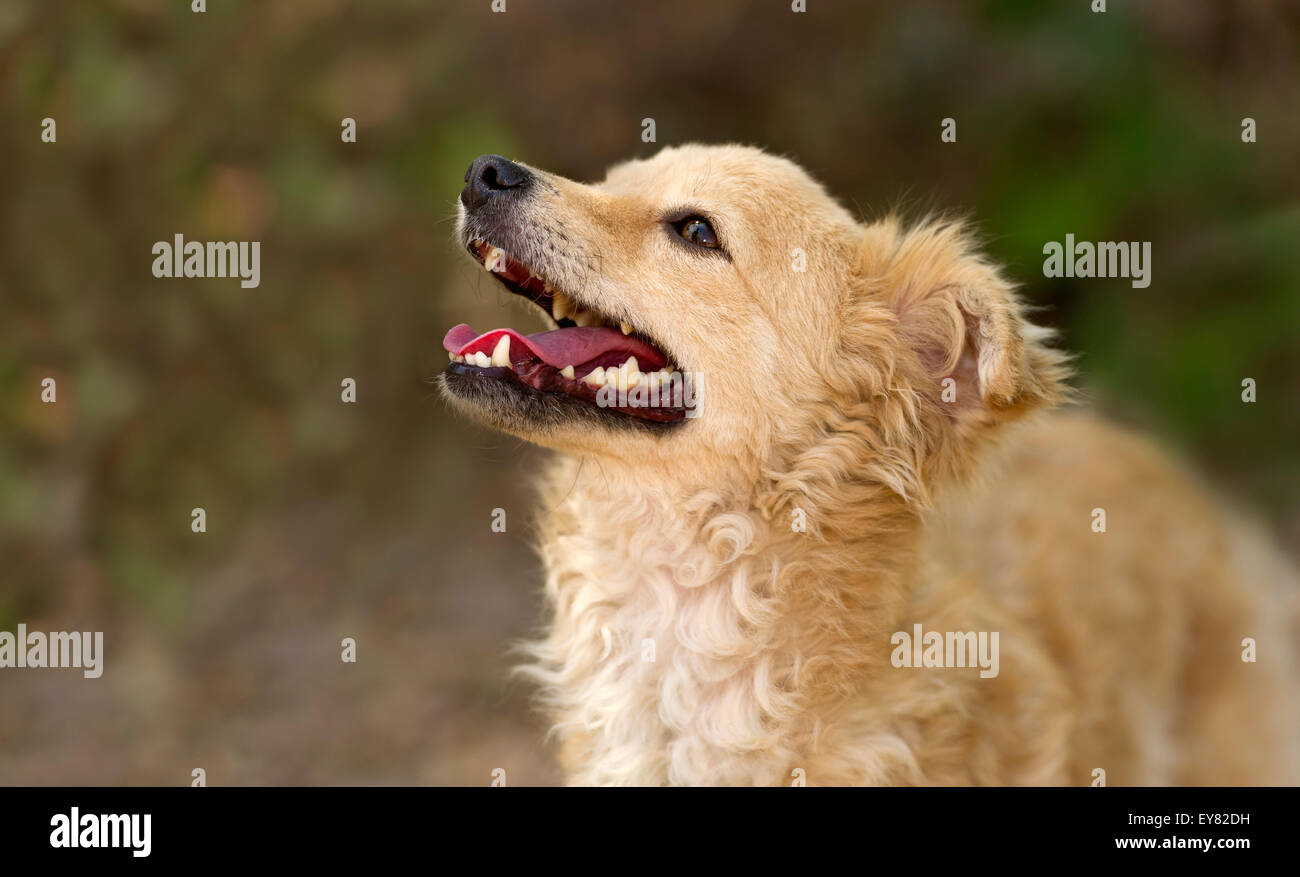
x,y
653,660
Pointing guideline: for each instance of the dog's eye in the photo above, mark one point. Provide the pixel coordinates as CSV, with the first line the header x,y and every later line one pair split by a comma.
x,y
698,231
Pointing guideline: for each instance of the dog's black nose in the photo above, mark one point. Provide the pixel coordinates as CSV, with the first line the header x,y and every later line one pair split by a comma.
x,y
491,176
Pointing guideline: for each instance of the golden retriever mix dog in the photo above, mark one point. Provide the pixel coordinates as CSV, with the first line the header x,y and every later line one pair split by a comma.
x,y
812,519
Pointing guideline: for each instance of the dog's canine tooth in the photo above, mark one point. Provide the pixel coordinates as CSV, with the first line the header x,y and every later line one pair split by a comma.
x,y
567,371
628,374
501,354
560,306
596,378
627,330
495,260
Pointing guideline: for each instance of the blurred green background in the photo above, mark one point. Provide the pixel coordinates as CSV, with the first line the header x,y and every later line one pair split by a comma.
x,y
371,520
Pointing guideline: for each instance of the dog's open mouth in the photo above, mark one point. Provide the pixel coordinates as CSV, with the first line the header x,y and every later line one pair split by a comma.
x,y
590,357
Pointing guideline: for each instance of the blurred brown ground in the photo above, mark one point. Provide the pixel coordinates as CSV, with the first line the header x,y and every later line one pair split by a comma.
x,y
371,520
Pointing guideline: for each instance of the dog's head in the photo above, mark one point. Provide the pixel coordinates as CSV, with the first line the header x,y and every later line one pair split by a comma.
x,y
713,308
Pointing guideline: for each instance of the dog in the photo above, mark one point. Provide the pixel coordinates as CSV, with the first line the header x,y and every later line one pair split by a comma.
x,y
855,441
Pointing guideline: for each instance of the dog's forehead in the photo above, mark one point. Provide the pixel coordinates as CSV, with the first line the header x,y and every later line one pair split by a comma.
x,y
704,175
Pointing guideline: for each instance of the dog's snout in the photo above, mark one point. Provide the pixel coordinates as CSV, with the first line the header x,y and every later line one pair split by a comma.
x,y
491,176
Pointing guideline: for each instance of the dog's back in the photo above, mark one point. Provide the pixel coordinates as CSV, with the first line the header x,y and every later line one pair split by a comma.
x,y
1172,625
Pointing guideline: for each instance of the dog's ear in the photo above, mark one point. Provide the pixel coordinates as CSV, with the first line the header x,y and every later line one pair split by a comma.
x,y
968,356
976,354
934,356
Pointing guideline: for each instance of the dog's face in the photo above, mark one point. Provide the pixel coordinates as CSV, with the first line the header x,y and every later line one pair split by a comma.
x,y
705,305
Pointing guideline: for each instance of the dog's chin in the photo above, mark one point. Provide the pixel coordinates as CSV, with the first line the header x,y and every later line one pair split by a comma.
x,y
555,420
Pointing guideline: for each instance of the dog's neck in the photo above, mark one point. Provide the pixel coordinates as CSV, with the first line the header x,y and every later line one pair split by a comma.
x,y
696,639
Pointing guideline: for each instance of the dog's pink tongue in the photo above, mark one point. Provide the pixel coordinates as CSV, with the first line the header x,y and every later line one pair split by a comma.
x,y
558,347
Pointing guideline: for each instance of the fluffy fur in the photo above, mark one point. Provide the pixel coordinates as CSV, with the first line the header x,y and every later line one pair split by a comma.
x,y
824,402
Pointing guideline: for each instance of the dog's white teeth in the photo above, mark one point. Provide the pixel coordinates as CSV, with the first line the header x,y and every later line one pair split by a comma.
x,y
627,330
481,360
560,306
586,318
501,353
596,378
626,375
495,260
567,371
